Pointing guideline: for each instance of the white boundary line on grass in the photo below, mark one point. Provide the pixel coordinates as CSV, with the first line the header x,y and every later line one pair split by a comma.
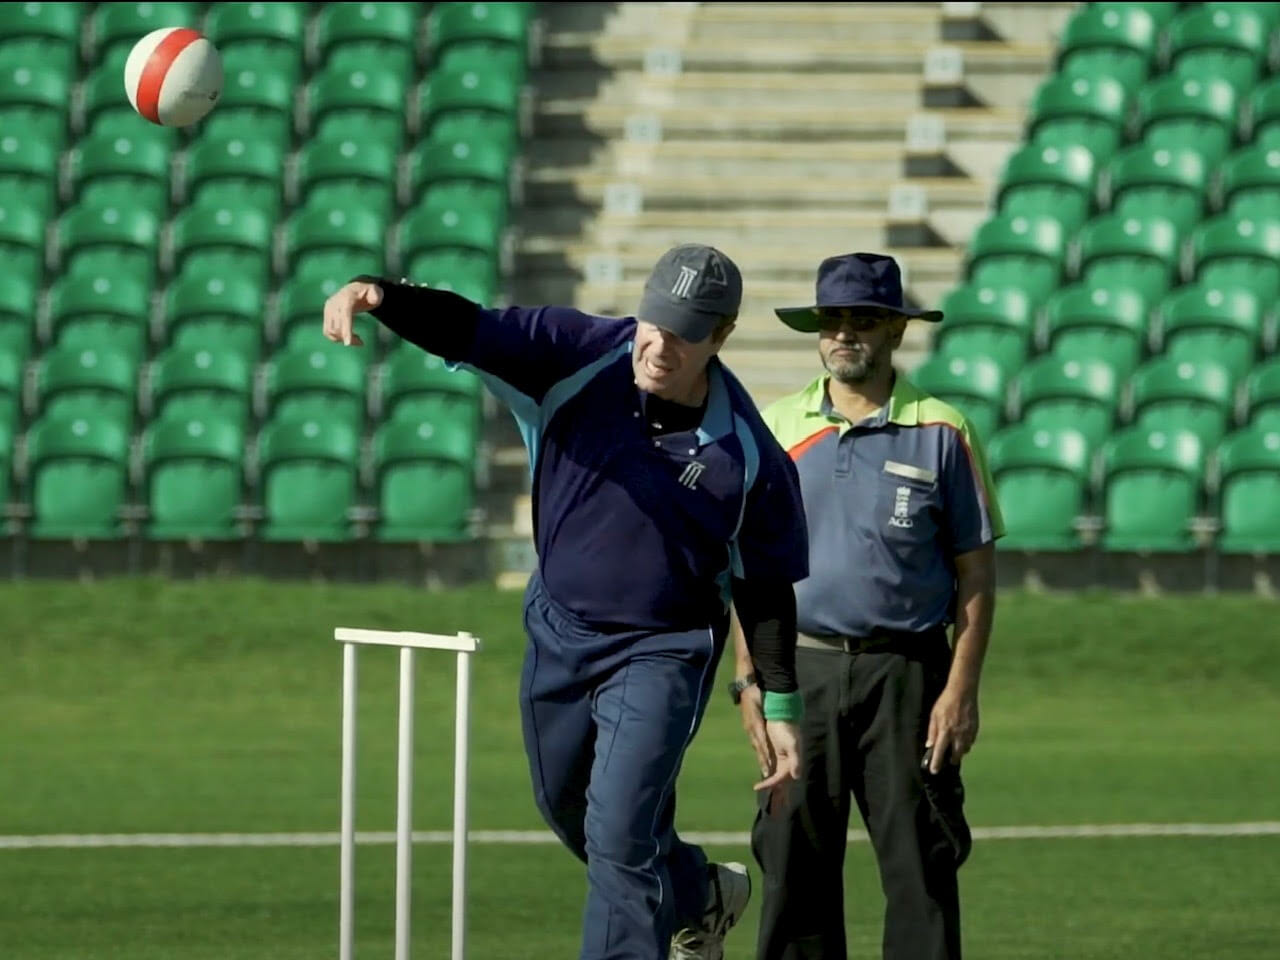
x,y
76,841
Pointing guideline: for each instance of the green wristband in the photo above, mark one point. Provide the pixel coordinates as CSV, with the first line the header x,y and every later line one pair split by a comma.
x,y
787,707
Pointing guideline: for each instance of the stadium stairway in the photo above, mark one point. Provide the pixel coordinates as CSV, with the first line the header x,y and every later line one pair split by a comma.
x,y
781,132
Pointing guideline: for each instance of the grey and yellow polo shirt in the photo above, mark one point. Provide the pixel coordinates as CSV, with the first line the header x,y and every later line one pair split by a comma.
x,y
890,502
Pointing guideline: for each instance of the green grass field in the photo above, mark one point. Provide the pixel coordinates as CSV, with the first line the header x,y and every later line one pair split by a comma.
x,y
148,707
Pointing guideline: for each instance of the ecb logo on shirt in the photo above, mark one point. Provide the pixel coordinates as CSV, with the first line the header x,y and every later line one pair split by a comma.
x,y
902,509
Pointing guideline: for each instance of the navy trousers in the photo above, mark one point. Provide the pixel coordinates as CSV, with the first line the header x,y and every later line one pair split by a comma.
x,y
607,719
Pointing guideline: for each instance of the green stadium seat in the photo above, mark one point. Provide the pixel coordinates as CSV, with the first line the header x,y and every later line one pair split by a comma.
x,y
987,321
320,230
230,239
1099,139
279,24
1129,251
1101,101
1269,12
320,266
225,171
469,93
121,25
369,101
473,161
440,223
17,314
1250,177
1021,252
141,167
34,100
1247,478
1151,488
353,35
392,24
1196,396
970,305
104,110
416,385
89,381
1201,111
103,310
22,228
51,54
28,168
324,381
1230,251
500,128
194,477
1262,394
1111,43
113,239
426,480
974,385
1238,69
347,172
1214,323
1104,323
1042,481
216,312
498,32
1235,40
201,383
468,273
1264,113
1145,181
256,103
78,468
262,55
49,21
308,471
1161,13
1048,181
1008,348
1055,393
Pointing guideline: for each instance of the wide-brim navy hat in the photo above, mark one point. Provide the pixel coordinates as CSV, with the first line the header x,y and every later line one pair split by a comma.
x,y
850,281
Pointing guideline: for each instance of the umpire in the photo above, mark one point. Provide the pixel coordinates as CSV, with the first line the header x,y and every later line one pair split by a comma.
x,y
902,521
658,495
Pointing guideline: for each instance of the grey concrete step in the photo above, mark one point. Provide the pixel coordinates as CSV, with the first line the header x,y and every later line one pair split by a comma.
x,y
552,186
880,160
836,50
812,123
717,89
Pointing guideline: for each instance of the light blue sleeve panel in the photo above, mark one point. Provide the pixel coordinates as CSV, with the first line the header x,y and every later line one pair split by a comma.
x,y
532,417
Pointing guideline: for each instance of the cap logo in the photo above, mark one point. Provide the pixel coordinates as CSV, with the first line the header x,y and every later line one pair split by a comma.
x,y
684,282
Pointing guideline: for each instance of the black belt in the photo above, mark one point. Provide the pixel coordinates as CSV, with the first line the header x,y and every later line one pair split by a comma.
x,y
877,641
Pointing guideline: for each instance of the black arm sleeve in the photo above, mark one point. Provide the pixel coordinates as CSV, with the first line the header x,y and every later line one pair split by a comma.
x,y
438,321
767,611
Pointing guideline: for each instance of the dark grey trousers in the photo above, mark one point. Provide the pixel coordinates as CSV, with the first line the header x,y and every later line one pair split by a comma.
x,y
866,719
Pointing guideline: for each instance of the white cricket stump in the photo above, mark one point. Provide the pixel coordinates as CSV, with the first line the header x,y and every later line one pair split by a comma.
x,y
464,644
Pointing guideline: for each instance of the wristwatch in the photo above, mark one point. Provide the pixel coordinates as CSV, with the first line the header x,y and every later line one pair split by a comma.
x,y
739,685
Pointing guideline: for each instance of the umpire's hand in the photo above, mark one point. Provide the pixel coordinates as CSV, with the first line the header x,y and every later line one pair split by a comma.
x,y
341,308
777,747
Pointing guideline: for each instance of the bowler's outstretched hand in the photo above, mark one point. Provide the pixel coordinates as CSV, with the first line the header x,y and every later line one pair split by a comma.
x,y
340,311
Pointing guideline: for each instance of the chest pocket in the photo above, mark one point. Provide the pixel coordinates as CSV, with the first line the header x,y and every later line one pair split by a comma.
x,y
907,508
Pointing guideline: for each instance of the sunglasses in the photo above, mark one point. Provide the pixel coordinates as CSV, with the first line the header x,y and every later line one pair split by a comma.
x,y
858,319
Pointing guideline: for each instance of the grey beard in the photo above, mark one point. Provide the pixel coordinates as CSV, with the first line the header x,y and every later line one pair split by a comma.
x,y
853,371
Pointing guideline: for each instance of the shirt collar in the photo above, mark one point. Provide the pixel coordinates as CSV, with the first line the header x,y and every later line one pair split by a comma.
x,y
717,419
717,422
902,409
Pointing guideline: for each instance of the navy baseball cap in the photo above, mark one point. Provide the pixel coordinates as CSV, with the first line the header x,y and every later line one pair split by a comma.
x,y
691,289
854,281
